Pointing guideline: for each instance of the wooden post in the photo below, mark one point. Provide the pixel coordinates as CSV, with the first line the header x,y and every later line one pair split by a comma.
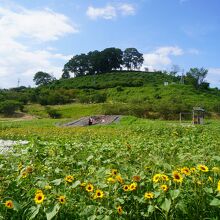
x,y
193,118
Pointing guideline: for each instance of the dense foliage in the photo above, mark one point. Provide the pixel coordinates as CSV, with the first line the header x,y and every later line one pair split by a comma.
x,y
146,170
99,62
141,94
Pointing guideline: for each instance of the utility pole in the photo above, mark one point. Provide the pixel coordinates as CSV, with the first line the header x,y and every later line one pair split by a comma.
x,y
18,83
182,77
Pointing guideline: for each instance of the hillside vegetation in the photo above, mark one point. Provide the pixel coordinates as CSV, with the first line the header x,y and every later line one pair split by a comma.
x,y
141,94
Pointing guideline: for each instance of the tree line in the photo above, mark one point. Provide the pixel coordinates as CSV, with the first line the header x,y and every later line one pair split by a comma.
x,y
112,59
99,62
96,62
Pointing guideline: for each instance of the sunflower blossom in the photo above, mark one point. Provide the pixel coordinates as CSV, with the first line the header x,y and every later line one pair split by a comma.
x,y
186,171
39,197
89,187
164,187
69,179
203,168
132,186
126,188
218,188
99,194
119,210
9,204
177,177
156,178
148,195
62,199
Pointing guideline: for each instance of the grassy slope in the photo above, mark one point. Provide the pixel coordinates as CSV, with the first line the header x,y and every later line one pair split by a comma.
x,y
114,79
140,87
73,111
170,94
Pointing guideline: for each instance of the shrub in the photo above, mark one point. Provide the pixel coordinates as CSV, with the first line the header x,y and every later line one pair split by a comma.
x,y
53,113
9,107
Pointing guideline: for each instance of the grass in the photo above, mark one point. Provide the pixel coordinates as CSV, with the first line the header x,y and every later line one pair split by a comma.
x,y
73,111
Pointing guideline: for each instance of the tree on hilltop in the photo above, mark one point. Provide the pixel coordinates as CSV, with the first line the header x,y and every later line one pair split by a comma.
x,y
196,76
132,59
78,65
42,78
65,75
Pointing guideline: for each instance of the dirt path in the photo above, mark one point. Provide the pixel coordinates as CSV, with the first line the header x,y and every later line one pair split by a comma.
x,y
94,120
18,117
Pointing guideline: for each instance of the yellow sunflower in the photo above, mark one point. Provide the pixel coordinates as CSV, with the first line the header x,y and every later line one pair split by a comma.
x,y
47,187
69,179
29,169
132,186
39,198
24,174
38,191
98,194
119,209
164,177
89,187
83,184
192,169
148,195
119,179
136,178
20,165
164,187
62,199
9,204
186,171
177,177
114,172
203,168
156,178
218,188
126,188
111,180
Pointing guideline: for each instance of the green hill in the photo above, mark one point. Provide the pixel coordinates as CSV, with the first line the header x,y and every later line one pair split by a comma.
x,y
114,79
141,94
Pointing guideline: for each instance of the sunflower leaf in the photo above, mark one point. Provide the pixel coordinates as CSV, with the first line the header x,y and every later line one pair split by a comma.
x,y
215,202
166,205
76,184
57,182
34,210
174,193
52,211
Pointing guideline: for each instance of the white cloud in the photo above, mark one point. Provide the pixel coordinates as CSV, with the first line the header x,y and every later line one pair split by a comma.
x,y
213,77
110,12
127,9
43,25
161,57
21,32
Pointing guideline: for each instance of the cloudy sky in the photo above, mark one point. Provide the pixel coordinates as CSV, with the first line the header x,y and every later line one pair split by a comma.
x,y
42,35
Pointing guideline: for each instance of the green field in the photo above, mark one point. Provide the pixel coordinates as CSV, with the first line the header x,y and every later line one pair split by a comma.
x,y
135,169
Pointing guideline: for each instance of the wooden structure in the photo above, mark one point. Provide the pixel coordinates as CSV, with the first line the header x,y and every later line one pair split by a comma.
x,y
197,115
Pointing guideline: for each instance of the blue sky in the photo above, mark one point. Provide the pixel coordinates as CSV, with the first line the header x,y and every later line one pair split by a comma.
x,y
43,34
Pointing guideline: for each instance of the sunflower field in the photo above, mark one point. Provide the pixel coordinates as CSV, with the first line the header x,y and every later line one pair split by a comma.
x,y
152,170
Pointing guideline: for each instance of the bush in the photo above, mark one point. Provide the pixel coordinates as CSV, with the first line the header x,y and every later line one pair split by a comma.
x,y
9,107
53,113
126,109
93,98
